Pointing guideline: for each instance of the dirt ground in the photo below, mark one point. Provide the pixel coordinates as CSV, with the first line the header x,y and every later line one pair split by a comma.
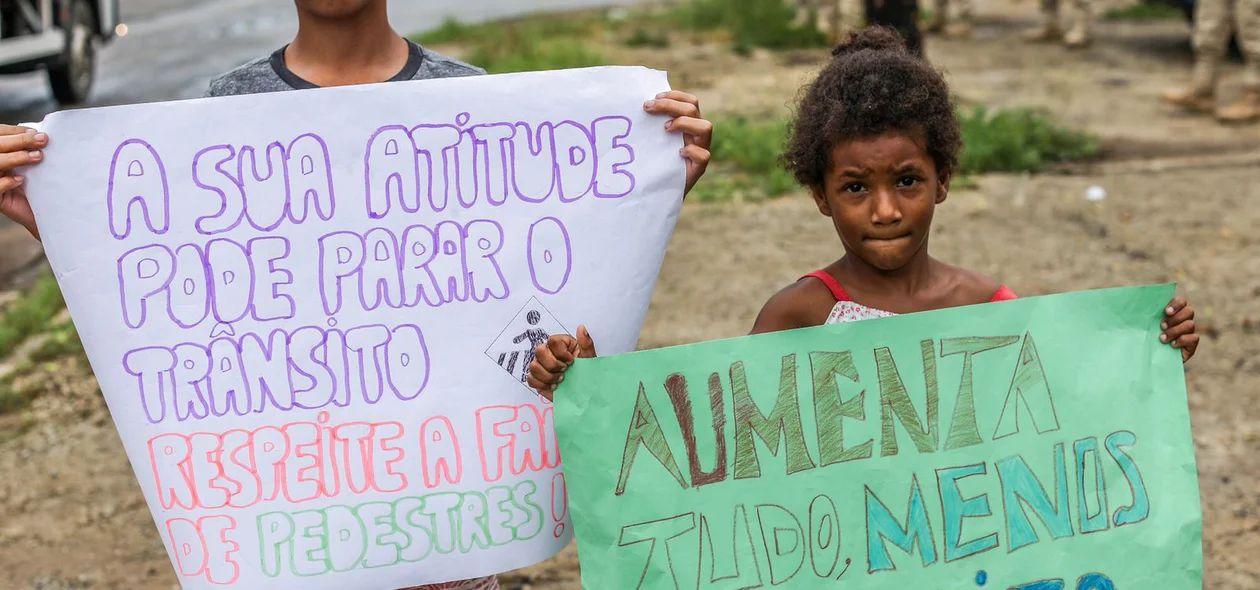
x,y
1183,202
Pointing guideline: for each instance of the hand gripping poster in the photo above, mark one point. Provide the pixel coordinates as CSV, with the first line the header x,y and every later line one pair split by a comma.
x,y
311,312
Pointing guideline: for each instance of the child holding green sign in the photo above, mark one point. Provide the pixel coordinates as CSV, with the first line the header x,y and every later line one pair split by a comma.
x,y
876,140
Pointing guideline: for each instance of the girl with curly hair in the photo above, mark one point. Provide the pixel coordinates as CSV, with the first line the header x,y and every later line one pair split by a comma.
x,y
876,141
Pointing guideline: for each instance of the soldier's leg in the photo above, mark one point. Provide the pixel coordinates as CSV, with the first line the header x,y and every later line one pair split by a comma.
x,y
835,20
1212,27
940,16
1081,34
962,28
1247,108
901,15
1049,29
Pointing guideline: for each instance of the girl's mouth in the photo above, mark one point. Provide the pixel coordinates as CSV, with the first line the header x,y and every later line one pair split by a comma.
x,y
878,239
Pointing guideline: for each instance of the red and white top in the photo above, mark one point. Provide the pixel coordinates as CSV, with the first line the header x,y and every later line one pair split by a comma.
x,y
846,310
490,583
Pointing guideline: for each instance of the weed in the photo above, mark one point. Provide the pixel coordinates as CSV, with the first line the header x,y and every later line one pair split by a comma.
x,y
15,395
1018,140
543,26
451,31
61,342
754,146
770,24
746,161
30,314
540,42
641,37
527,54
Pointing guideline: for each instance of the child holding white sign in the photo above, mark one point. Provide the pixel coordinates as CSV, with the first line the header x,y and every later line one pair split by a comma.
x,y
876,140
342,42
339,43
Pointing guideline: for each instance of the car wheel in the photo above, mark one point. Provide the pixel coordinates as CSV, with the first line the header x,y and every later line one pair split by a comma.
x,y
72,76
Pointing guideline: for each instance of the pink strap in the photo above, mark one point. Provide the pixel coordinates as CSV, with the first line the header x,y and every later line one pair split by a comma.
x,y
836,290
1003,294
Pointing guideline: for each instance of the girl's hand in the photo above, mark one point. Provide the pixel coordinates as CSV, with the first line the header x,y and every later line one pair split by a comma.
x,y
19,146
1179,328
697,132
555,357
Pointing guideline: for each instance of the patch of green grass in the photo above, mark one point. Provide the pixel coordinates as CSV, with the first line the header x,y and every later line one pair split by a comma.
x,y
643,37
451,31
1145,10
551,40
746,161
25,383
1018,140
30,314
541,42
61,342
524,54
770,24
14,398
963,182
754,146
551,26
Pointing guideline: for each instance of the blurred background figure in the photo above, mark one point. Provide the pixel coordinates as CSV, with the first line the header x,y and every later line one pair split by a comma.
x,y
1078,36
828,14
1214,22
900,15
939,22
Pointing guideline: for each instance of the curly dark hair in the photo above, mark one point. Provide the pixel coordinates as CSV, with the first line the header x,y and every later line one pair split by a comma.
x,y
872,85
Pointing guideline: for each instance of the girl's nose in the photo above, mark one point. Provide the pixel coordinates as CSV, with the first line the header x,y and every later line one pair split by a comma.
x,y
886,209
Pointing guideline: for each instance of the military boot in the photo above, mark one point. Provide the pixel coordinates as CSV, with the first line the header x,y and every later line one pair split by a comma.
x,y
1048,31
959,30
1079,37
1245,110
1200,95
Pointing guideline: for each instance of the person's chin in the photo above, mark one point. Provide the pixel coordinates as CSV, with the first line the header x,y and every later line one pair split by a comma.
x,y
884,262
888,254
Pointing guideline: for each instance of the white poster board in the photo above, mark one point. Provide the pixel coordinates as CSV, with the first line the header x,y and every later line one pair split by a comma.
x,y
310,312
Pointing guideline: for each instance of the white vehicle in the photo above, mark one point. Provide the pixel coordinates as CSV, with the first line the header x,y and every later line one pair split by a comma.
x,y
60,36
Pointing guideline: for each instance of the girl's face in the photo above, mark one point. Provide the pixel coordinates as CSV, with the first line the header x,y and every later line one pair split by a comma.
x,y
881,193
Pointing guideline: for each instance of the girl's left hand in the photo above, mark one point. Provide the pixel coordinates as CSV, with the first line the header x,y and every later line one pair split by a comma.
x,y
1179,328
697,132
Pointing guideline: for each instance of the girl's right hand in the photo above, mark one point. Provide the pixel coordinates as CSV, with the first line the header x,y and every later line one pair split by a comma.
x,y
555,357
19,146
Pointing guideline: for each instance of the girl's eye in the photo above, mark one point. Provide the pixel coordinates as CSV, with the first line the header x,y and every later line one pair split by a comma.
x,y
855,187
907,182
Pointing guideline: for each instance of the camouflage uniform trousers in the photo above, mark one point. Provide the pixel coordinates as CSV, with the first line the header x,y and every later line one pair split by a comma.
x,y
964,7
1214,22
1050,9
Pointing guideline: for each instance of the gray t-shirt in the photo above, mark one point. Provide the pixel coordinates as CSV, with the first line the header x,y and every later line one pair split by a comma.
x,y
270,74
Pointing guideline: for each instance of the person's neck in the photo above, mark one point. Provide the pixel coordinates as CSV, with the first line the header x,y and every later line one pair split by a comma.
x,y
360,49
908,280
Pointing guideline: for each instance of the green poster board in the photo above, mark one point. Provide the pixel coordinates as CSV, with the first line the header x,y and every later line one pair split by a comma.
x,y
1038,444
